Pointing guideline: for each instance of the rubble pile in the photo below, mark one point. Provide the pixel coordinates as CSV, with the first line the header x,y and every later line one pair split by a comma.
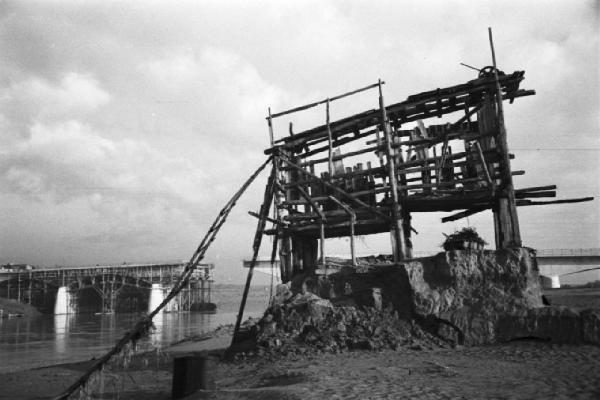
x,y
458,297
306,323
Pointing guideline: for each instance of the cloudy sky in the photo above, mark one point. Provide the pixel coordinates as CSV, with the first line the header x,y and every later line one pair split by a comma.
x,y
125,126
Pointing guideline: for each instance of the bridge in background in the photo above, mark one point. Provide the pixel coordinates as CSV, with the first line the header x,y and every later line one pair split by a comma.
x,y
568,266
106,288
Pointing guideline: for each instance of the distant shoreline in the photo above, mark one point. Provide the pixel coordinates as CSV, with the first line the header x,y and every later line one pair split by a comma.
x,y
14,308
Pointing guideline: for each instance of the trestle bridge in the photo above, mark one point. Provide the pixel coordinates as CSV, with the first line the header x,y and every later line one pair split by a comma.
x,y
106,288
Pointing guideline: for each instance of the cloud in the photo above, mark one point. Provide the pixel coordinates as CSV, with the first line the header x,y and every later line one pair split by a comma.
x,y
227,91
36,100
125,126
69,159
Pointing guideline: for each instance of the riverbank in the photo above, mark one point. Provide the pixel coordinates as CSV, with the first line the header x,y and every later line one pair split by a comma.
x,y
14,308
517,370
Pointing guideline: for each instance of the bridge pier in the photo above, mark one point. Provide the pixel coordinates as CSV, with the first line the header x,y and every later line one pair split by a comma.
x,y
64,301
30,289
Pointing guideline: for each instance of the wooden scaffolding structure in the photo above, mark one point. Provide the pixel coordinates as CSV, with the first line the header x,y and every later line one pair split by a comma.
x,y
368,172
324,184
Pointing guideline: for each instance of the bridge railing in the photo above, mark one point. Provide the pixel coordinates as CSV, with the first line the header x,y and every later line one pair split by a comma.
x,y
203,271
568,252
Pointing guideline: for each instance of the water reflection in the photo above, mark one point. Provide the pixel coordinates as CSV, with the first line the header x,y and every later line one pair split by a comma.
x,y
53,339
68,337
61,331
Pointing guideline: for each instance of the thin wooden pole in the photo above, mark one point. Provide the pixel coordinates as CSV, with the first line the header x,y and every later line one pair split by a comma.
x,y
270,122
277,201
264,212
330,141
144,324
311,105
398,230
274,221
352,215
273,256
484,165
322,220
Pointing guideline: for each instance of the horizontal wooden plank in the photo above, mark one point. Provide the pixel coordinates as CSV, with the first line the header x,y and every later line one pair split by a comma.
x,y
330,99
402,112
463,214
524,195
542,203
337,143
535,188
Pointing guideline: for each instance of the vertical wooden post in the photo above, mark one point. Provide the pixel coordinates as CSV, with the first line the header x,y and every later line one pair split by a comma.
x,y
270,123
19,287
406,220
330,141
352,216
507,204
322,240
285,246
397,228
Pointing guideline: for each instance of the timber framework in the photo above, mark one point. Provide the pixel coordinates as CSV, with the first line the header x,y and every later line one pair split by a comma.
x,y
369,172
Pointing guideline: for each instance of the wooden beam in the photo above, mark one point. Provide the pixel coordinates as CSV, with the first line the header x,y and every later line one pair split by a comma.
x,y
322,220
352,215
369,118
311,105
270,124
264,212
463,214
330,145
542,203
520,203
341,156
370,171
535,189
337,143
274,221
485,167
336,189
524,195
514,238
314,205
398,228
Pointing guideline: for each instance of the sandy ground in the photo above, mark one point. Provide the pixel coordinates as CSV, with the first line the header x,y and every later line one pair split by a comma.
x,y
518,370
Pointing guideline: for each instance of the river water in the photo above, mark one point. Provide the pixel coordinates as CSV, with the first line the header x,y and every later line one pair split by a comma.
x,y
54,339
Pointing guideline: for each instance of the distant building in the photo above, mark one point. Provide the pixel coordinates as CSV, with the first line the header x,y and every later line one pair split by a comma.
x,y
11,267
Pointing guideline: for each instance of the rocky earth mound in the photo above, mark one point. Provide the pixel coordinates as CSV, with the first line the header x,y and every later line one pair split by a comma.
x,y
479,297
305,323
459,297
